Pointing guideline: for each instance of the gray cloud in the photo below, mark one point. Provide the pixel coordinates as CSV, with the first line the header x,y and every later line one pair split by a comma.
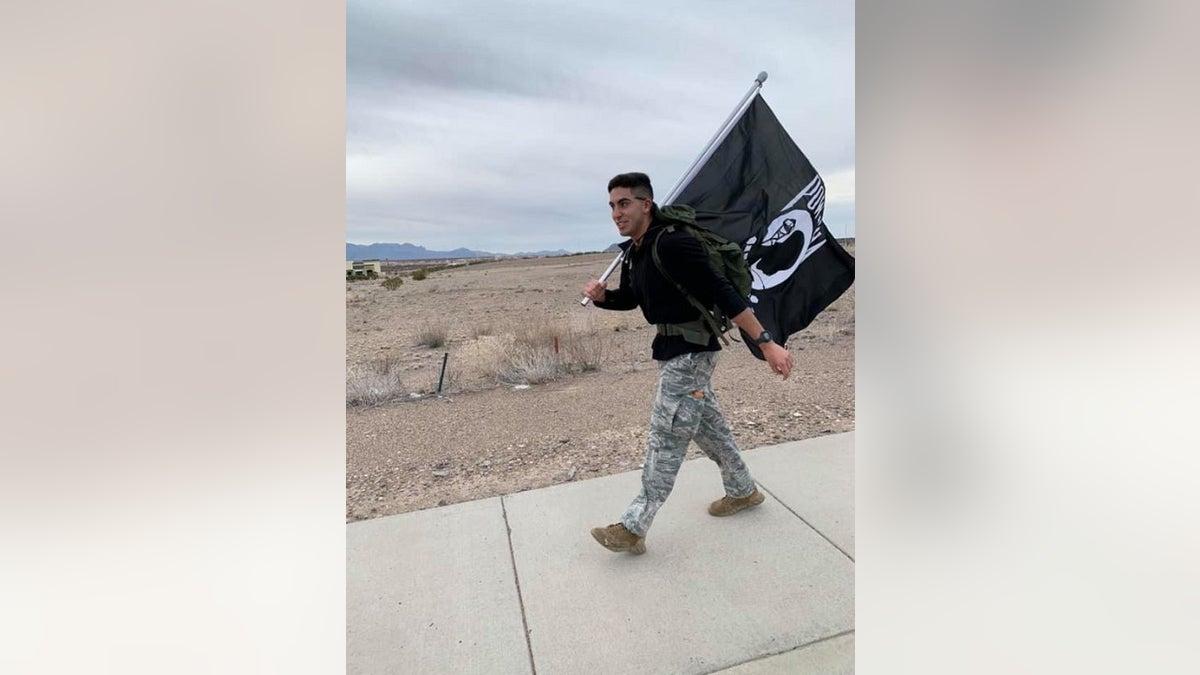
x,y
497,126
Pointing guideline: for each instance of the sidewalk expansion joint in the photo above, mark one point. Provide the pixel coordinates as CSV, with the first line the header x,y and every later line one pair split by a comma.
x,y
517,580
810,525
781,652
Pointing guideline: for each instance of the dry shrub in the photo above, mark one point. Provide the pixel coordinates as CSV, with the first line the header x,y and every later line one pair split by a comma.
x,y
585,345
432,335
537,332
531,364
487,357
541,351
374,383
531,357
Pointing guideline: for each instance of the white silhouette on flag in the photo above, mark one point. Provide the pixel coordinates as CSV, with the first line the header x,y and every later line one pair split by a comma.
x,y
789,240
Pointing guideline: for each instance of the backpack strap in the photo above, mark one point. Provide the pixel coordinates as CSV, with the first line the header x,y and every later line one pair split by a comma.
x,y
695,332
687,330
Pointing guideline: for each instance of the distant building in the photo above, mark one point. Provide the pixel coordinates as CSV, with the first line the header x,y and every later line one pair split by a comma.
x,y
362,268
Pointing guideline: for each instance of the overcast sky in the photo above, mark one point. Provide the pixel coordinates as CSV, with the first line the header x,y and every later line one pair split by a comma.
x,y
495,126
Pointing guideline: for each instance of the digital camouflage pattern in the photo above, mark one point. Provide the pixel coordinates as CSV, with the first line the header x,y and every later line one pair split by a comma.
x,y
685,409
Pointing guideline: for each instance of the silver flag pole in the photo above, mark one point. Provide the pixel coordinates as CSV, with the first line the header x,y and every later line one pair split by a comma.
x,y
722,132
612,267
709,149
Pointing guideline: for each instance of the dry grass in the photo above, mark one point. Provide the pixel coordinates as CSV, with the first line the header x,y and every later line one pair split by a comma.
x,y
374,383
530,364
534,356
481,361
540,351
586,345
433,335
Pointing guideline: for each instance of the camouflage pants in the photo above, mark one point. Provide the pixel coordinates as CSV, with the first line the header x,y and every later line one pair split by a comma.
x,y
685,409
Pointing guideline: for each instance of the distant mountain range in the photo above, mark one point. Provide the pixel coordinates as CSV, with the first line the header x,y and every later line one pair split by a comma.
x,y
408,251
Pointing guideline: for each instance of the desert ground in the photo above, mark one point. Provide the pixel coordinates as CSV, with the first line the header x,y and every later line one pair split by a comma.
x,y
539,390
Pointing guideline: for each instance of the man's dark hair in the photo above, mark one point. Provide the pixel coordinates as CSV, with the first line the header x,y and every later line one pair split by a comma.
x,y
638,183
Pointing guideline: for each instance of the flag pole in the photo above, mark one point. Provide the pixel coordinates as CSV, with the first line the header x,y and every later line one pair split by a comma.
x,y
722,132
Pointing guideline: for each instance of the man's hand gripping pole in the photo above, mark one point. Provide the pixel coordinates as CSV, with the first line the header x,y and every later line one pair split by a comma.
x,y
612,267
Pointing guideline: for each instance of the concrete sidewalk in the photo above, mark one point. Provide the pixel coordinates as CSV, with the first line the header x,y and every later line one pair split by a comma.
x,y
516,584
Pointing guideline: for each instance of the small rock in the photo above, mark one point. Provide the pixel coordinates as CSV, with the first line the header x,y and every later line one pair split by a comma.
x,y
442,473
571,474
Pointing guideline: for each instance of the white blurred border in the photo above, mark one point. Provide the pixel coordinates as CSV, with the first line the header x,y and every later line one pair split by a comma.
x,y
172,186
1026,367
172,189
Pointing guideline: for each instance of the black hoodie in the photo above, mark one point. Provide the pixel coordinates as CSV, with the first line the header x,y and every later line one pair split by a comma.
x,y
642,285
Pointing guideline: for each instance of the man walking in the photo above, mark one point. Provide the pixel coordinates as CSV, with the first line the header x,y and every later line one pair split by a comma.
x,y
685,408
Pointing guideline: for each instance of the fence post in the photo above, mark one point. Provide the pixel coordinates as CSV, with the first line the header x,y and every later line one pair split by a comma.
x,y
443,375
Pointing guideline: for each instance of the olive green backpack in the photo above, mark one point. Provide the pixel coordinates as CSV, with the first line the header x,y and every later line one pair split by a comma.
x,y
727,259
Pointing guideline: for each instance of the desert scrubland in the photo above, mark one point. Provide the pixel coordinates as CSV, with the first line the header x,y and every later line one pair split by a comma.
x,y
539,390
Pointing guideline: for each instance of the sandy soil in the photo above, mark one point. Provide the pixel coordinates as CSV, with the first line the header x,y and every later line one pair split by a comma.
x,y
482,437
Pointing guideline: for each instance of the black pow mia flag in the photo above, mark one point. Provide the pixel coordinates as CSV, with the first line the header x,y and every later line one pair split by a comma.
x,y
759,190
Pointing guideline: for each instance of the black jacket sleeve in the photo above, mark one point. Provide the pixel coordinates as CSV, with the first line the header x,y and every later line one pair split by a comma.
x,y
622,297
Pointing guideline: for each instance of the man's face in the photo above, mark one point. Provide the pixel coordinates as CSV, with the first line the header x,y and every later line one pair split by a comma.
x,y
630,213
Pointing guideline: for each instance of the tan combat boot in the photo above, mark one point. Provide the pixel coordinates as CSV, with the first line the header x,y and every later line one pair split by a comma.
x,y
617,538
726,506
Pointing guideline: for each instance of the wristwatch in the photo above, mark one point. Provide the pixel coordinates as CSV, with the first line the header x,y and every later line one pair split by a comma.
x,y
763,338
